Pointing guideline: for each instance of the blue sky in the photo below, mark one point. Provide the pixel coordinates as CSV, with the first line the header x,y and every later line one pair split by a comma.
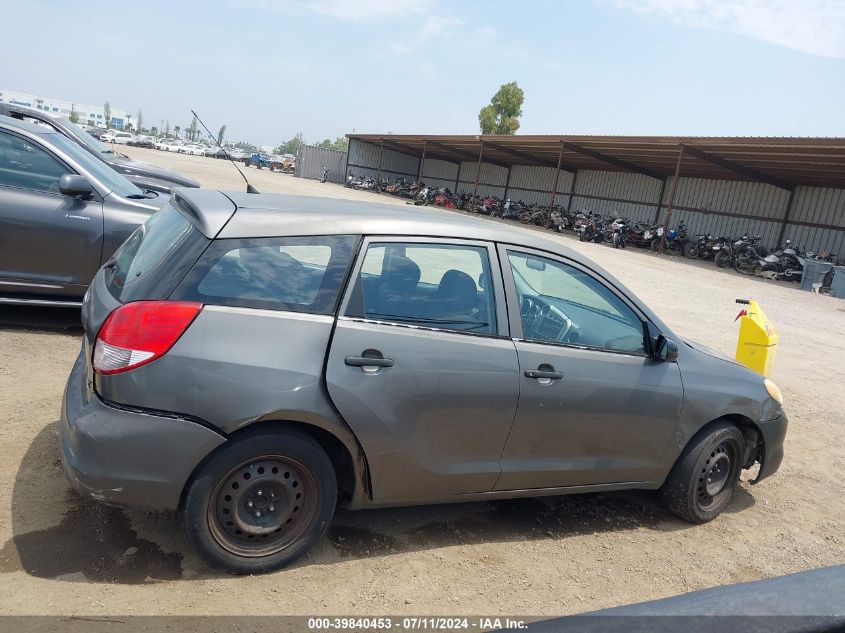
x,y
270,68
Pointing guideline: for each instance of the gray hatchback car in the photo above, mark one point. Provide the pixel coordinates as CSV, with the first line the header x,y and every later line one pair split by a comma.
x,y
255,360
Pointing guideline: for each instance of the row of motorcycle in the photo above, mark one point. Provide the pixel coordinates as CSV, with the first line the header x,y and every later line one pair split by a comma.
x,y
744,253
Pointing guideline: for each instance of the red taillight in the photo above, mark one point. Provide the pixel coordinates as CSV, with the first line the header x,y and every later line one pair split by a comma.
x,y
137,333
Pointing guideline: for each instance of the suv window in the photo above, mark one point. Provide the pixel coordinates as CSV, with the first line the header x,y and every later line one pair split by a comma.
x,y
28,166
150,263
298,274
433,285
562,304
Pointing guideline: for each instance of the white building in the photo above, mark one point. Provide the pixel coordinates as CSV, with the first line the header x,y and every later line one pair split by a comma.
x,y
88,114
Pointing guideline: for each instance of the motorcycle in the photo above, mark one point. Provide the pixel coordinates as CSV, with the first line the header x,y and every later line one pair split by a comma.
x,y
675,240
730,248
583,218
610,229
620,234
641,235
592,230
785,264
325,175
701,247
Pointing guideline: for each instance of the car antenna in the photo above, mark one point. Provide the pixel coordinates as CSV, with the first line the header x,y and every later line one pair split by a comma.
x,y
249,187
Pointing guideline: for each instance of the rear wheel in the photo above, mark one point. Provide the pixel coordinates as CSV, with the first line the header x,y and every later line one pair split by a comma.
x,y
704,478
723,259
690,250
261,502
655,245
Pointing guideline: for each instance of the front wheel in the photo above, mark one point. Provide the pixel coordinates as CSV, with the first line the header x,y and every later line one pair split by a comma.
x,y
704,478
690,251
723,259
655,245
261,502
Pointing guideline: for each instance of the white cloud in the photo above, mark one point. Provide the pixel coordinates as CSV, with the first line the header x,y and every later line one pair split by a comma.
x,y
437,25
816,27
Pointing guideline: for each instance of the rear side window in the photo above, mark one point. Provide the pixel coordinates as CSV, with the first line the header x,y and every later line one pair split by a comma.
x,y
298,274
150,263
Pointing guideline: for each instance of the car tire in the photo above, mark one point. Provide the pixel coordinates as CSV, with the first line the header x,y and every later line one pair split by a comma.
x,y
261,502
703,480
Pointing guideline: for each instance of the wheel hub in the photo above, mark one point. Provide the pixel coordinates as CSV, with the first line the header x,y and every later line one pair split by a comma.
x,y
717,471
262,506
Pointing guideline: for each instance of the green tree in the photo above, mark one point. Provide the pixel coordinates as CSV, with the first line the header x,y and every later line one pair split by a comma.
x,y
74,115
139,121
248,147
341,143
502,115
107,114
192,131
292,146
221,134
176,130
154,130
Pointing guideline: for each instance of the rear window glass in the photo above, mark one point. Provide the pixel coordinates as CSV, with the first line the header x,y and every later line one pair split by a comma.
x,y
299,274
150,263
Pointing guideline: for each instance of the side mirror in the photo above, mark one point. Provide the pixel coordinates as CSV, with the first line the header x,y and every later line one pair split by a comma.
x,y
76,186
665,349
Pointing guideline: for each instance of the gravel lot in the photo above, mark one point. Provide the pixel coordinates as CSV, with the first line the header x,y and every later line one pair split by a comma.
x,y
62,555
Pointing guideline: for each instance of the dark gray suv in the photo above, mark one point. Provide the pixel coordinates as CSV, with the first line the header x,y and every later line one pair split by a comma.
x,y
255,360
62,214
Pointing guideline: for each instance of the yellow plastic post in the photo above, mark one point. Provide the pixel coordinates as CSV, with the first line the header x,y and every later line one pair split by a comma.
x,y
758,339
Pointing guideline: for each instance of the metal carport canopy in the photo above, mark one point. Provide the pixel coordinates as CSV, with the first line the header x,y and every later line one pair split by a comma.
x,y
784,162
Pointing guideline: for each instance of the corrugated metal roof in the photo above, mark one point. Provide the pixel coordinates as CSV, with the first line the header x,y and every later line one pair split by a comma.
x,y
780,161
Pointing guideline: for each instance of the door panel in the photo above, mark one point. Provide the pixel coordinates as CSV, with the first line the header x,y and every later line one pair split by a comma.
x,y
600,410
48,239
434,423
608,419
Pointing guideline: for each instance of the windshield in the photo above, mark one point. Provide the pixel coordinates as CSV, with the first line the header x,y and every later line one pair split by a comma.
x,y
94,144
115,183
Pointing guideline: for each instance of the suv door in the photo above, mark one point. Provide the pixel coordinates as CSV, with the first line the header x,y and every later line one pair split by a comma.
x,y
50,244
422,368
594,406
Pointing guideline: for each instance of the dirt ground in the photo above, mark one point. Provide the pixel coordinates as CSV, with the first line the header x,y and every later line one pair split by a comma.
x,y
63,555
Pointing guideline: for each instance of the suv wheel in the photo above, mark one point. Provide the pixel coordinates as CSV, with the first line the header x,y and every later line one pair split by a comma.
x,y
261,502
703,479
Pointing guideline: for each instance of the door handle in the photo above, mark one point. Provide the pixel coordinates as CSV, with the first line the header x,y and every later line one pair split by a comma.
x,y
365,361
542,373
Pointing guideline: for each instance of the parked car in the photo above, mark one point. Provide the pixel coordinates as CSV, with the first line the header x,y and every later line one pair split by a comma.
x,y
167,145
116,136
142,140
143,175
192,149
214,152
254,360
236,153
63,212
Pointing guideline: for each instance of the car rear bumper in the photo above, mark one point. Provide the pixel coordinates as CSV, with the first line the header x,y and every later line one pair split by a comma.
x,y
127,458
774,432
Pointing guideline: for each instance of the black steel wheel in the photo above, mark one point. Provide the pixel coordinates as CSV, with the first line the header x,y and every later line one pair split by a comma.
x,y
704,478
262,506
260,502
